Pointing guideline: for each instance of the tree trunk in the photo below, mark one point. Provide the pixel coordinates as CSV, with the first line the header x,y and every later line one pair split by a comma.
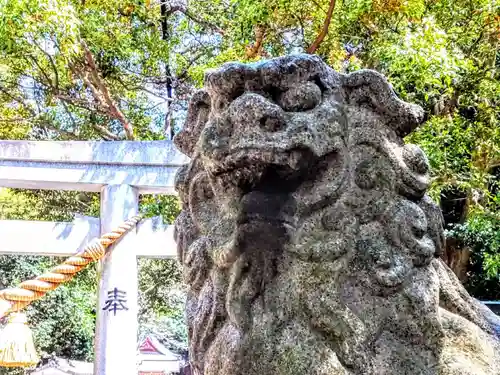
x,y
168,128
457,258
455,255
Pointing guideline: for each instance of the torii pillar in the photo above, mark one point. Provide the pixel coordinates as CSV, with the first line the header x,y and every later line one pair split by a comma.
x,y
117,327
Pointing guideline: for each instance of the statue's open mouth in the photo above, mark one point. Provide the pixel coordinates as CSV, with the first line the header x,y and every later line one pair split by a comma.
x,y
263,188
271,172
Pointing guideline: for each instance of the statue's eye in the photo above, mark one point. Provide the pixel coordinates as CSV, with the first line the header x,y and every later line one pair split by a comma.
x,y
418,232
272,123
300,98
206,192
200,189
415,158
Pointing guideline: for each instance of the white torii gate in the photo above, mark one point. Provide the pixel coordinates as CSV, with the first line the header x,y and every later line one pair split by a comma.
x,y
120,171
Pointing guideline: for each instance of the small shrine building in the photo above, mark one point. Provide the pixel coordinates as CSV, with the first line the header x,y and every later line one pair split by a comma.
x,y
153,358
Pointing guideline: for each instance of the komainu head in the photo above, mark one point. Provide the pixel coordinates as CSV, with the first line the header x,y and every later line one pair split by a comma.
x,y
307,239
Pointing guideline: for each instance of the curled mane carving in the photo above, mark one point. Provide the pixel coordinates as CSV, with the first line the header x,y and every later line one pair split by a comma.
x,y
307,240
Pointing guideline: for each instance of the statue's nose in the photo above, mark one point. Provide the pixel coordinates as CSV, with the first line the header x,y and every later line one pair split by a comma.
x,y
253,111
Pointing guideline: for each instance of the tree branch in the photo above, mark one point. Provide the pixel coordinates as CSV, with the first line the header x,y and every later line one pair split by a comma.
x,y
184,72
18,100
207,24
105,133
81,103
141,107
70,115
34,116
141,88
256,48
324,30
67,134
101,92
52,64
46,76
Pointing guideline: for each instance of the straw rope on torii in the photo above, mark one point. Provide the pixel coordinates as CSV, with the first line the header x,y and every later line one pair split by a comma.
x,y
17,298
16,340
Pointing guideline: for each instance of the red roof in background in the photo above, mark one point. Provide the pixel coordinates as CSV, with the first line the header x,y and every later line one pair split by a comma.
x,y
151,347
147,346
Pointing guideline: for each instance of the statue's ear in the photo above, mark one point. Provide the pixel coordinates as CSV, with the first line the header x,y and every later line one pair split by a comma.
x,y
197,116
371,87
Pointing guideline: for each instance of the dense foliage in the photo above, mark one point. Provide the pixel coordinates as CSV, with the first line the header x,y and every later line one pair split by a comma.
x,y
111,70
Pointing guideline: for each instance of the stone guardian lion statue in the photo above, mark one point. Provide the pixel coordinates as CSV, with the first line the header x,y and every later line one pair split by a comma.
x,y
306,236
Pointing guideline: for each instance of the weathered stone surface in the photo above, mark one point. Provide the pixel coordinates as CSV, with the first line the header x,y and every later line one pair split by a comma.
x,y
306,237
